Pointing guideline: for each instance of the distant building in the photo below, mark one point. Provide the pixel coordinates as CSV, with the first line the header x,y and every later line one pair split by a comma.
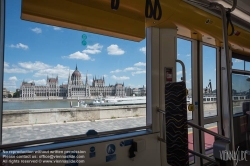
x,y
129,91
75,88
137,91
5,93
98,88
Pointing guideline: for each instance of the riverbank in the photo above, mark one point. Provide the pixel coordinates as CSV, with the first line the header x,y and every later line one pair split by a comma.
x,y
64,115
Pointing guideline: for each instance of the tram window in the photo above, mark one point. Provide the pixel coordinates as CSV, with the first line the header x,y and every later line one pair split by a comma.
x,y
238,64
52,76
212,99
247,66
185,55
240,87
209,139
209,55
204,99
191,145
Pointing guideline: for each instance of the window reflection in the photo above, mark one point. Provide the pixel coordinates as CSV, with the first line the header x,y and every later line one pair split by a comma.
x,y
240,91
238,64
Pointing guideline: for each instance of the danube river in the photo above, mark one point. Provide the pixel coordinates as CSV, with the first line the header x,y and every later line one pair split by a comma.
x,y
22,105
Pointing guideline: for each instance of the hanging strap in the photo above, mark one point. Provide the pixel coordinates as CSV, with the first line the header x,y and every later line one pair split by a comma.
x,y
151,11
229,21
157,6
115,4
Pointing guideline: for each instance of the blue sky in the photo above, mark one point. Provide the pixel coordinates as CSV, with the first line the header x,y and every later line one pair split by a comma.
x,y
33,51
209,63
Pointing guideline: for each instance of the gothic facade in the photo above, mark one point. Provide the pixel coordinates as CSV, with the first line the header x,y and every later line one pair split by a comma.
x,y
75,88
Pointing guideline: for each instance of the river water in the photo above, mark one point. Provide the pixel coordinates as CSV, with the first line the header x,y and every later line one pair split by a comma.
x,y
23,105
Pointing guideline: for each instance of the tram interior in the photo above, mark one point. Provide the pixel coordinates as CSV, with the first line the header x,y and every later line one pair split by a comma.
x,y
190,58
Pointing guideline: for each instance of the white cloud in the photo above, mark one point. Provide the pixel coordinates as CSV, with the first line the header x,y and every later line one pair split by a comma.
x,y
115,50
138,72
16,70
56,28
10,85
178,54
60,70
131,69
143,49
13,78
89,75
179,72
34,66
6,64
116,71
94,49
120,78
238,60
20,45
37,30
188,55
78,55
105,76
140,64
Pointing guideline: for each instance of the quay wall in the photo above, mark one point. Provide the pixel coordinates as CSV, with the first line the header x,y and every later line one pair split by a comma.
x,y
63,115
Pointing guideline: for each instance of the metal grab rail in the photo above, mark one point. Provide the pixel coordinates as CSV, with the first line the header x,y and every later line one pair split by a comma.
x,y
183,70
203,156
210,132
163,126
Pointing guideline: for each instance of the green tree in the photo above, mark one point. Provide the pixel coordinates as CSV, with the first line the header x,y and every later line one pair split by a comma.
x,y
16,94
9,96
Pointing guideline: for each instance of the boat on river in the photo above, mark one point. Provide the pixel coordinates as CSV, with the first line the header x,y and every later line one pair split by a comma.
x,y
119,101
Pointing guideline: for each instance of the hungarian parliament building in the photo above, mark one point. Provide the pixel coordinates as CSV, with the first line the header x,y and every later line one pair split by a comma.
x,y
74,89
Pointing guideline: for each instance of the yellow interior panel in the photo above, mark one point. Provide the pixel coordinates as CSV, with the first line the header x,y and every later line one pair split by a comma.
x,y
129,22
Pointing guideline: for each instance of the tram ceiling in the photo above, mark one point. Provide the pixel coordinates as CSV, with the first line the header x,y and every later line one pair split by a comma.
x,y
129,22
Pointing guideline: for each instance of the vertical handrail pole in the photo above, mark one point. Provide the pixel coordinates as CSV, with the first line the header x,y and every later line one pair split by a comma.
x,y
164,127
226,52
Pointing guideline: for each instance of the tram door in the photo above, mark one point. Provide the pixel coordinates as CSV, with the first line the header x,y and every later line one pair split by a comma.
x,y
202,81
201,63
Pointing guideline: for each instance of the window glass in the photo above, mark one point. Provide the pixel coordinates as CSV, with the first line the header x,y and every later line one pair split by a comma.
x,y
185,55
247,66
61,82
191,145
209,81
238,64
240,91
